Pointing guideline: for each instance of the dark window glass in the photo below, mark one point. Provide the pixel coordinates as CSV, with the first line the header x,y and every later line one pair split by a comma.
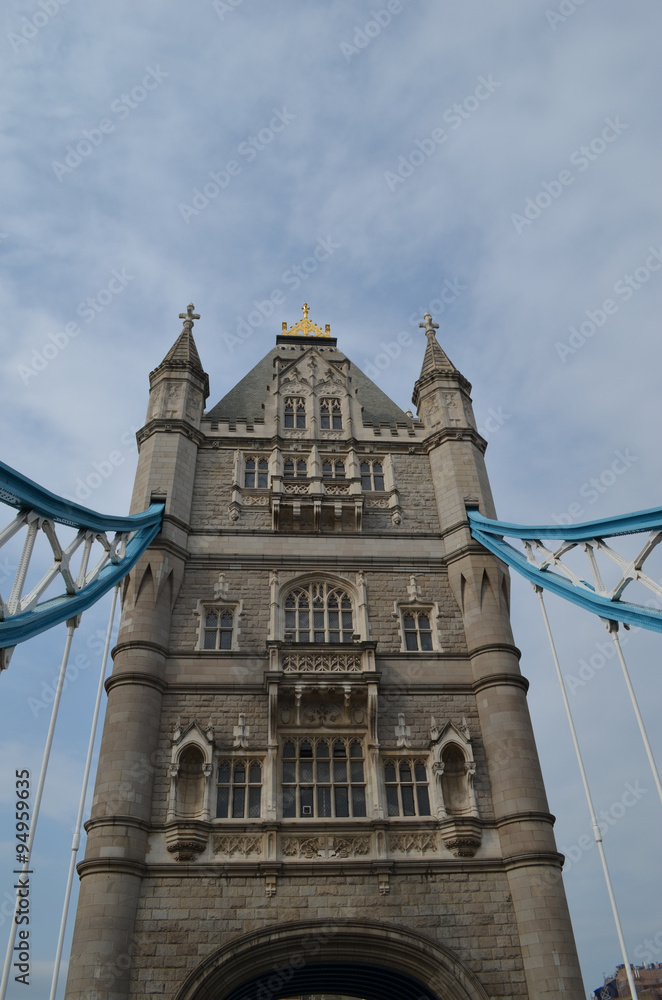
x,y
426,641
289,414
327,470
301,415
288,750
306,801
324,801
337,421
305,749
356,770
340,470
289,802
288,469
222,801
392,800
356,750
289,771
238,803
226,639
306,770
389,773
407,800
210,639
358,801
322,749
419,771
255,774
379,482
423,800
410,640
323,770
339,751
302,470
254,803
342,801
340,770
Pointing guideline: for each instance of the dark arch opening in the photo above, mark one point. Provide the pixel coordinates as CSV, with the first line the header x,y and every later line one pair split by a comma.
x,y
348,979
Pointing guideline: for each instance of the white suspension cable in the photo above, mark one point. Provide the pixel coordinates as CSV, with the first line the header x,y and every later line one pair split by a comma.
x,y
612,628
25,867
83,795
596,829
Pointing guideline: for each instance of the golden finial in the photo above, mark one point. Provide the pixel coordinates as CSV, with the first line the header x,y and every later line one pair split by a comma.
x,y
306,328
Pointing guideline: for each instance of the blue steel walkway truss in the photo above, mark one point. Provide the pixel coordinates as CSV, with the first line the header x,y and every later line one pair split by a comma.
x,y
105,549
544,564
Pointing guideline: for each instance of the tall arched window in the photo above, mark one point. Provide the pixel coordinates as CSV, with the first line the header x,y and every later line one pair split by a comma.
x,y
319,612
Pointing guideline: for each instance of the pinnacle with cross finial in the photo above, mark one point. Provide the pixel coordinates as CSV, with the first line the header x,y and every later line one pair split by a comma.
x,y
304,310
189,316
428,325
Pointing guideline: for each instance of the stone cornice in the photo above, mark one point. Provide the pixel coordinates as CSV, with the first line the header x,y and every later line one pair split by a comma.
x,y
154,647
523,817
133,677
176,426
495,647
455,434
112,866
118,820
499,680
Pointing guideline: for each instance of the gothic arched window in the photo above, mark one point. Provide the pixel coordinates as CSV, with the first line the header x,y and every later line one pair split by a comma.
x,y
290,468
372,476
330,414
333,469
406,787
253,465
319,612
239,789
323,778
218,627
295,412
417,629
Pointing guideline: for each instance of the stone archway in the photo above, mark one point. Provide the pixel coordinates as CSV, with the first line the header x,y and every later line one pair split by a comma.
x,y
351,958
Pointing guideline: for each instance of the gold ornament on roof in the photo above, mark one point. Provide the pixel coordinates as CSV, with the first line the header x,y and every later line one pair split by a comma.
x,y
305,328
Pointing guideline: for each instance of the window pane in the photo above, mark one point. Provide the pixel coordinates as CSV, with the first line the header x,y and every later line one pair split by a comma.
x,y
426,641
340,770
289,771
239,774
366,483
323,770
255,774
306,770
253,803
223,773
358,801
347,619
304,620
324,801
325,421
262,480
263,465
405,771
340,470
365,469
290,619
301,419
226,619
337,422
356,770
377,467
289,802
318,637
289,418
238,803
392,800
288,467
306,799
305,749
379,482
332,601
211,620
334,619
409,621
222,802
327,471
249,480
342,801
423,800
424,622
356,750
318,619
322,749
419,771
210,639
389,772
303,600
339,750
411,641
290,601
226,639
302,469
408,801
288,749
345,603
334,636
250,464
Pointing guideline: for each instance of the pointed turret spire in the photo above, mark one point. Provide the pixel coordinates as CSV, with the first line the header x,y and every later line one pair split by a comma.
x,y
435,361
183,355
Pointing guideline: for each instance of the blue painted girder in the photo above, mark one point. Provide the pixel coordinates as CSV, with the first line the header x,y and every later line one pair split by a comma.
x,y
490,534
18,491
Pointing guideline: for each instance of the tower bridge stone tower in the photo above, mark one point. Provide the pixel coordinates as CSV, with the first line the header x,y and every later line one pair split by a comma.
x,y
317,773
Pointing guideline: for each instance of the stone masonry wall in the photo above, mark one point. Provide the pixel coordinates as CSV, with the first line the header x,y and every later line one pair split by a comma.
x,y
182,921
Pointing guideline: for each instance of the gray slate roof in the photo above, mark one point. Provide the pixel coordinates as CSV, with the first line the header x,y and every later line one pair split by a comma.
x,y
244,402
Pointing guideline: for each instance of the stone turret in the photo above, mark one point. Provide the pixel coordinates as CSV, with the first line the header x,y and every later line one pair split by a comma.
x,y
481,587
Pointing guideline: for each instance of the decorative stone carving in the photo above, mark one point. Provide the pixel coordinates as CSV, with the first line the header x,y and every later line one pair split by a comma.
x,y
185,841
240,733
232,844
322,714
350,847
402,732
326,847
322,662
462,836
257,501
295,489
381,502
303,847
408,843
336,490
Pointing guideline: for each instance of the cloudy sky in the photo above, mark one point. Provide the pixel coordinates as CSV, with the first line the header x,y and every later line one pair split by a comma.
x,y
496,163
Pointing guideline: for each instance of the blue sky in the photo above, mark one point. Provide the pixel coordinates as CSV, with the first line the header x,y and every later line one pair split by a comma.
x,y
495,163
